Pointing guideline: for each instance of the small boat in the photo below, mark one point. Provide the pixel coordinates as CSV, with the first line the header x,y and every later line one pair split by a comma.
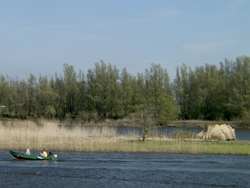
x,y
18,155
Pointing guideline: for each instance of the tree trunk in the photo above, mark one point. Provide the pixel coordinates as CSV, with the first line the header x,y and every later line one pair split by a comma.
x,y
144,138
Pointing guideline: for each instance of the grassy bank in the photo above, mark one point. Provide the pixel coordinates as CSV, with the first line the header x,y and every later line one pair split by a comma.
x,y
173,146
17,135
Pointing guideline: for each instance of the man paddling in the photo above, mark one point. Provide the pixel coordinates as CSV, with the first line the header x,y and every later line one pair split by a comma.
x,y
44,154
27,152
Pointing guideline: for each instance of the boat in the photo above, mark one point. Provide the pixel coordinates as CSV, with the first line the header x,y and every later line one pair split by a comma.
x,y
18,155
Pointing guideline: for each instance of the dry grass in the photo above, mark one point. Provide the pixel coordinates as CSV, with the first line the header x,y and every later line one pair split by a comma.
x,y
17,135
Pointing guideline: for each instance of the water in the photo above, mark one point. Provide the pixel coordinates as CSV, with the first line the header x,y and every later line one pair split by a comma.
x,y
166,131
80,169
241,134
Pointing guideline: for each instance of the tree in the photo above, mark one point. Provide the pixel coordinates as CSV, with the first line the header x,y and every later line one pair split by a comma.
x,y
70,82
104,90
146,120
4,94
126,93
158,94
138,89
82,100
20,99
211,107
46,98
58,88
182,91
31,91
115,89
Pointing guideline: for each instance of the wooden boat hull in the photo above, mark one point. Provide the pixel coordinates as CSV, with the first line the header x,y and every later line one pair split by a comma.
x,y
18,155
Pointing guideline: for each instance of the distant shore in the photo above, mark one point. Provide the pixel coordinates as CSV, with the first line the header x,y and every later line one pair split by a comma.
x,y
130,122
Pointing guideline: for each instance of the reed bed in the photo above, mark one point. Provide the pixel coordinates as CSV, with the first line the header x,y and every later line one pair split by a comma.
x,y
45,134
53,135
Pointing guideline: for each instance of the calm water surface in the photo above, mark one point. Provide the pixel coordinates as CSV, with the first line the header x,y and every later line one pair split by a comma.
x,y
82,169
241,134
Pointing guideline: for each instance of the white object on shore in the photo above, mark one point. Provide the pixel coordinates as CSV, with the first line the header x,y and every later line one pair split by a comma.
x,y
218,132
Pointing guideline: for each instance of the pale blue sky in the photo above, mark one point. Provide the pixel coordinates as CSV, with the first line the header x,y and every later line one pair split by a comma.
x,y
38,37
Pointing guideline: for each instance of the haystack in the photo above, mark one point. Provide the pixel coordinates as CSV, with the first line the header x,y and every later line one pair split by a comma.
x,y
218,132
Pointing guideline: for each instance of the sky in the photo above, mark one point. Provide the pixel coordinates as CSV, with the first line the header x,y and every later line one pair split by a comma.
x,y
38,37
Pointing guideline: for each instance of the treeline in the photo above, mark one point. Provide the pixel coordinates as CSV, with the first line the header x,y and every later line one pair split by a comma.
x,y
104,92
206,93
210,93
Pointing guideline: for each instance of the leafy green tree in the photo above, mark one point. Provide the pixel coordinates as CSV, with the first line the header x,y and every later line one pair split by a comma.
x,y
246,82
211,107
138,89
105,90
31,91
158,94
177,89
71,90
91,96
46,98
127,92
115,89
4,94
58,88
20,99
81,99
181,91
100,90
194,104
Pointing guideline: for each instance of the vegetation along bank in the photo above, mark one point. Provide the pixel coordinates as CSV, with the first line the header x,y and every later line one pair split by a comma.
x,y
16,135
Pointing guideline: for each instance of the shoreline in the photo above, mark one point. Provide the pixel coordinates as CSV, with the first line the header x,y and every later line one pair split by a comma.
x,y
176,146
130,123
17,135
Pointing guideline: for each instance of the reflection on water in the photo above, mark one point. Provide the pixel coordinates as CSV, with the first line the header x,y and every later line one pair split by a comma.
x,y
80,169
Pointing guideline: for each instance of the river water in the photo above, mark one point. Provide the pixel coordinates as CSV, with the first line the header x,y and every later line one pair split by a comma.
x,y
241,134
81,169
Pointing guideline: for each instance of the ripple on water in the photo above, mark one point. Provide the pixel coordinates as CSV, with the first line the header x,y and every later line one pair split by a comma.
x,y
74,169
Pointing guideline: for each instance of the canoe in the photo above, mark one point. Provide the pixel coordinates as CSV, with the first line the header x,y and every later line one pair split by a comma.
x,y
18,155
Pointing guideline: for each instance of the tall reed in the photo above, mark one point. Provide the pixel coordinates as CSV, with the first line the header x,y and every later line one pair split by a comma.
x,y
46,134
17,135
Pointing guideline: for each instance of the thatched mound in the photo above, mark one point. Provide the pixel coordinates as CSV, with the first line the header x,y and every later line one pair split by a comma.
x,y
218,132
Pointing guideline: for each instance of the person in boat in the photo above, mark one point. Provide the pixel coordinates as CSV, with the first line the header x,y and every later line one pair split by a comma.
x,y
44,154
50,153
27,152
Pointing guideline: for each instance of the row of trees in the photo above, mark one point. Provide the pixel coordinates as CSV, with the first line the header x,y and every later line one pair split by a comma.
x,y
210,93
207,93
104,92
